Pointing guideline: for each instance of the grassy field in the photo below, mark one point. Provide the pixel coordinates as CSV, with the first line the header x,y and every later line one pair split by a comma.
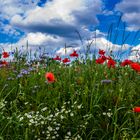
x,y
88,100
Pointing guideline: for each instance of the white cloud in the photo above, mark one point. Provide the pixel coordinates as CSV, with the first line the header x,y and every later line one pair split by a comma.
x,y
101,43
135,53
10,8
66,51
131,12
52,25
59,17
55,45
38,39
57,9
8,29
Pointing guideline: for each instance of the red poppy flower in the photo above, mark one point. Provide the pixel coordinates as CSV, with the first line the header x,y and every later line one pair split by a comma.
x,y
136,109
126,62
74,54
109,58
100,60
4,62
101,52
111,63
50,77
104,57
135,66
57,58
5,54
65,60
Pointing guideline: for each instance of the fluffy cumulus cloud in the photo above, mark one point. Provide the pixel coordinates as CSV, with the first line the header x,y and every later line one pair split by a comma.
x,y
56,45
10,8
39,39
53,24
36,40
59,17
66,51
100,43
135,53
131,13
8,29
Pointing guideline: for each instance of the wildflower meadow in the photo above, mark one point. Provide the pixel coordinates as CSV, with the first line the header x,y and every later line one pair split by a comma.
x,y
56,98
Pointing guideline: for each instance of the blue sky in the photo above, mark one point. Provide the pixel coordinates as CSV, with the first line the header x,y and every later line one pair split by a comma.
x,y
52,23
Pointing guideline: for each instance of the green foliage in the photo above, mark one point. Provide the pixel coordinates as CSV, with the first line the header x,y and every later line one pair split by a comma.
x,y
77,106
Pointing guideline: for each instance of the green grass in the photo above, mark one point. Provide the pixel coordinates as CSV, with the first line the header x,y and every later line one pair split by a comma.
x,y
77,106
